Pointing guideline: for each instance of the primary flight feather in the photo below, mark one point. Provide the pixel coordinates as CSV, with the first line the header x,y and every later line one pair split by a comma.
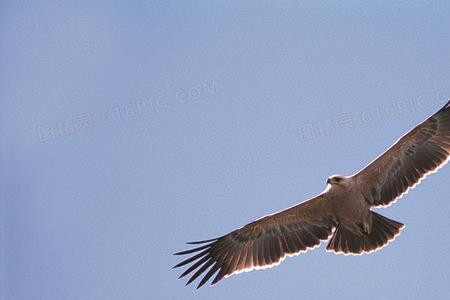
x,y
342,213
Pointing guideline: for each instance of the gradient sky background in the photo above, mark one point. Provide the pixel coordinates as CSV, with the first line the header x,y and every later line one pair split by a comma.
x,y
131,127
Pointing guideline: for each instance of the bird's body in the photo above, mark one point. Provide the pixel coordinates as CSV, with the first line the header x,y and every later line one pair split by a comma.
x,y
348,206
341,214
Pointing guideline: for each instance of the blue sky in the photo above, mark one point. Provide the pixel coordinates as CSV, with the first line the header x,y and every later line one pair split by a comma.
x,y
130,127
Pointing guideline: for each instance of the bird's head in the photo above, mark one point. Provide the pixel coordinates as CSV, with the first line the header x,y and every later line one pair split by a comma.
x,y
336,180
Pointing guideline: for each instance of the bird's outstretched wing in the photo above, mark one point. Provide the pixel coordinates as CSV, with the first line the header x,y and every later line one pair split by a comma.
x,y
423,150
261,244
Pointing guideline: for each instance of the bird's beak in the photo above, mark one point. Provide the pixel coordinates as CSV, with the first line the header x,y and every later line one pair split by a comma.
x,y
328,181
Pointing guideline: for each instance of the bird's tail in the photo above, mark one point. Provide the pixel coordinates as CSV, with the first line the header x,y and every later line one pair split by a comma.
x,y
383,231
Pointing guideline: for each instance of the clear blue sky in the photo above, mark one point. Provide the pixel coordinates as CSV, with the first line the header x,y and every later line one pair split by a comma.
x,y
131,127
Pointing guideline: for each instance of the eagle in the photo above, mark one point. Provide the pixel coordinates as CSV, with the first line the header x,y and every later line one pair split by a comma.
x,y
342,213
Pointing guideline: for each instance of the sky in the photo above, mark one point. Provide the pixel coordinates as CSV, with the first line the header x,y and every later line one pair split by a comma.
x,y
128,128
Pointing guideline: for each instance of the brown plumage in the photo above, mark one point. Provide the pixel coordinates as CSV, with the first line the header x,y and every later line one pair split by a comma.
x,y
343,212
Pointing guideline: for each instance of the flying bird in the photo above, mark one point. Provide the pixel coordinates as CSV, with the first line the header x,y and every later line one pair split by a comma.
x,y
341,214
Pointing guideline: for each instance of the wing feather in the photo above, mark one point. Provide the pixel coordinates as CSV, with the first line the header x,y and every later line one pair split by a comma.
x,y
420,152
261,244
